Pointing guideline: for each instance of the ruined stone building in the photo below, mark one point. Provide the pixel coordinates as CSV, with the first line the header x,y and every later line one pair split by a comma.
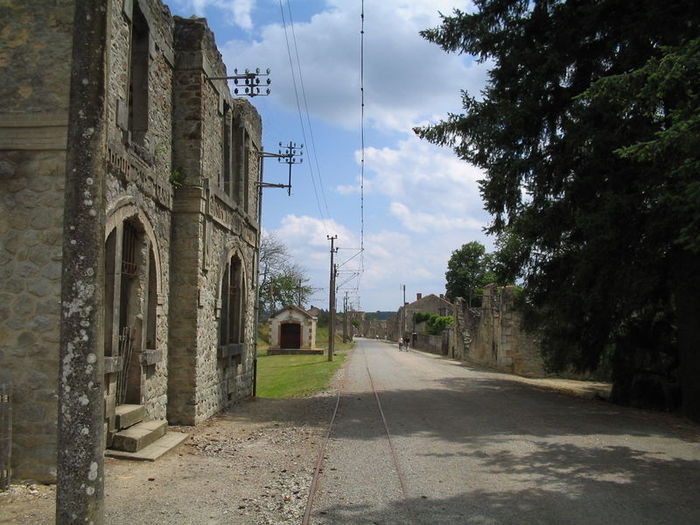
x,y
492,335
181,215
429,304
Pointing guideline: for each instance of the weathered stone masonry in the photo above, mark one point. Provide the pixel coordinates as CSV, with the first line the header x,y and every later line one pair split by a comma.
x,y
216,141
492,335
179,279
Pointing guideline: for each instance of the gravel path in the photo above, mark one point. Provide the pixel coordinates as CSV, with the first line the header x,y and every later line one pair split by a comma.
x,y
252,465
471,446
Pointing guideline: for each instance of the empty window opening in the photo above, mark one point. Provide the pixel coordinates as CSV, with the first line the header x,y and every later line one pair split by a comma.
x,y
237,163
138,77
233,301
246,172
151,311
226,165
110,266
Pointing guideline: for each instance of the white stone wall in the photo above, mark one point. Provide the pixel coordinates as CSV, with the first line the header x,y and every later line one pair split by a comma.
x,y
308,328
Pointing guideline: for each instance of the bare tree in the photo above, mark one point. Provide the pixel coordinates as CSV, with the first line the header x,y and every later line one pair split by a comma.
x,y
282,281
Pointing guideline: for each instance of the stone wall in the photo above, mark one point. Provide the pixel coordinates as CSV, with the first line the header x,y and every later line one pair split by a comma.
x,y
493,336
33,127
138,187
293,314
435,344
212,133
184,239
373,328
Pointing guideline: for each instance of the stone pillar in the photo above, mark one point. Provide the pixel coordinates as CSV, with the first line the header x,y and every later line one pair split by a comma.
x,y
80,468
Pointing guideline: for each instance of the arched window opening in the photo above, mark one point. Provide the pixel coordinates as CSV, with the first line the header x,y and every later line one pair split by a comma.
x,y
232,304
225,183
138,77
110,267
151,311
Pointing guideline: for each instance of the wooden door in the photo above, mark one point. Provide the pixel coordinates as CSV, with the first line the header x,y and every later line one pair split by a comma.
x,y
291,335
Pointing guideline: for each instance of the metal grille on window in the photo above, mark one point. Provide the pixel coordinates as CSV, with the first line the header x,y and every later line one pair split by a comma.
x,y
129,266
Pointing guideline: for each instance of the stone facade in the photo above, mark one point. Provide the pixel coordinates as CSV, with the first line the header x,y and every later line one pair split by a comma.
x,y
430,304
179,257
292,328
492,335
216,143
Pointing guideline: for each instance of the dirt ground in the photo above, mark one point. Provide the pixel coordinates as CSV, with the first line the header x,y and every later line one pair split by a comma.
x,y
251,465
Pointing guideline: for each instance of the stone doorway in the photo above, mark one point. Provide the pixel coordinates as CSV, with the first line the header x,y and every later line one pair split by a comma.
x,y
130,299
290,336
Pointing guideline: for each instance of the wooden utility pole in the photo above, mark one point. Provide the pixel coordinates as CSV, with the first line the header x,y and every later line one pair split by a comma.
x,y
331,300
345,318
403,312
80,465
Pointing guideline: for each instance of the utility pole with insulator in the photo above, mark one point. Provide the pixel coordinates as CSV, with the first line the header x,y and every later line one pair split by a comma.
x,y
403,312
345,318
331,299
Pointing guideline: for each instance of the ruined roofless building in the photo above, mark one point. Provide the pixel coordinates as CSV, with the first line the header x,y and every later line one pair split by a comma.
x,y
181,215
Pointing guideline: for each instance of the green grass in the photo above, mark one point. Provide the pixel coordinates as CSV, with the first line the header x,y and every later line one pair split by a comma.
x,y
284,376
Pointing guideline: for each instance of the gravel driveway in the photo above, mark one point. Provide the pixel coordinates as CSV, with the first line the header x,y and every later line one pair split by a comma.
x,y
466,446
252,465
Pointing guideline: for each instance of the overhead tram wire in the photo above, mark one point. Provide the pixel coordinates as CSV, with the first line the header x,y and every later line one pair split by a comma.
x,y
362,128
362,141
301,119
306,109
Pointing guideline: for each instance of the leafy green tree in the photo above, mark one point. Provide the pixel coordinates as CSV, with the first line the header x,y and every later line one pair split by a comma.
x,y
469,269
588,134
282,282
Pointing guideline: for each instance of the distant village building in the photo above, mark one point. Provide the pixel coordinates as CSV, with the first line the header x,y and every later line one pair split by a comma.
x,y
293,330
430,304
182,227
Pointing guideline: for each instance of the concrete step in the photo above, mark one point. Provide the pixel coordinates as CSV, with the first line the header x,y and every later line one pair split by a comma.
x,y
153,451
128,415
139,436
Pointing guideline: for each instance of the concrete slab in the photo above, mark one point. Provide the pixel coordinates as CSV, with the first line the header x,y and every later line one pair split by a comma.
x,y
139,436
128,415
153,451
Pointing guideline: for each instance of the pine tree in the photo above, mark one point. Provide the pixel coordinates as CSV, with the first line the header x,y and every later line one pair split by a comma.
x,y
592,177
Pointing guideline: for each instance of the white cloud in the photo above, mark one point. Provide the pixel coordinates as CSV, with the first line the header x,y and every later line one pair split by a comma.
x,y
429,188
421,222
403,73
237,12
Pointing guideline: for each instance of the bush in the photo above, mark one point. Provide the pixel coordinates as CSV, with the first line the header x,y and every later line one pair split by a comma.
x,y
436,323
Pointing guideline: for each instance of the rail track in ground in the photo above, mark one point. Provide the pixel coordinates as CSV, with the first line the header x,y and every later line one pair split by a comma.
x,y
318,471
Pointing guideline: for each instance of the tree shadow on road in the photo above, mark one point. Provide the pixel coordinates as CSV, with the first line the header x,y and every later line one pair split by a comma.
x,y
554,484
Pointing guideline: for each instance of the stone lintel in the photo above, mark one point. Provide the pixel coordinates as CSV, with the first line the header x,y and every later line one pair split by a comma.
x,y
33,131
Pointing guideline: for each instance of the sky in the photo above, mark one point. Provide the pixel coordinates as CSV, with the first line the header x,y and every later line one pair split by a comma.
x,y
419,201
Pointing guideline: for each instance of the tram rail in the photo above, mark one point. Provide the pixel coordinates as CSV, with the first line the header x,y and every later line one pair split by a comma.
x,y
322,452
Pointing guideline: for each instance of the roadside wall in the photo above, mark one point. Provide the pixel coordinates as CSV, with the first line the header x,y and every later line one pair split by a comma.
x,y
435,344
493,335
35,50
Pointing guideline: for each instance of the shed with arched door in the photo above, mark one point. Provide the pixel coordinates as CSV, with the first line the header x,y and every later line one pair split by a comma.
x,y
293,330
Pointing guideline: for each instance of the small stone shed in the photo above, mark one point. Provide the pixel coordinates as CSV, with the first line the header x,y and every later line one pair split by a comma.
x,y
293,330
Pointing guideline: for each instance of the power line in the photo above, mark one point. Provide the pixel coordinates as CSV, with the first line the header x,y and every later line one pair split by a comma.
x,y
362,140
306,108
362,128
301,119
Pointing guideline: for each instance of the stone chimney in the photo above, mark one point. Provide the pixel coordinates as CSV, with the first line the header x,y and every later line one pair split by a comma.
x,y
419,296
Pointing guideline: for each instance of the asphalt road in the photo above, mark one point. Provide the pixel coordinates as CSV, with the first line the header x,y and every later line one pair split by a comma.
x,y
470,447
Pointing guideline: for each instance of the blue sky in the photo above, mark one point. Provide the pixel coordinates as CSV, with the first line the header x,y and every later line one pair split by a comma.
x,y
420,201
